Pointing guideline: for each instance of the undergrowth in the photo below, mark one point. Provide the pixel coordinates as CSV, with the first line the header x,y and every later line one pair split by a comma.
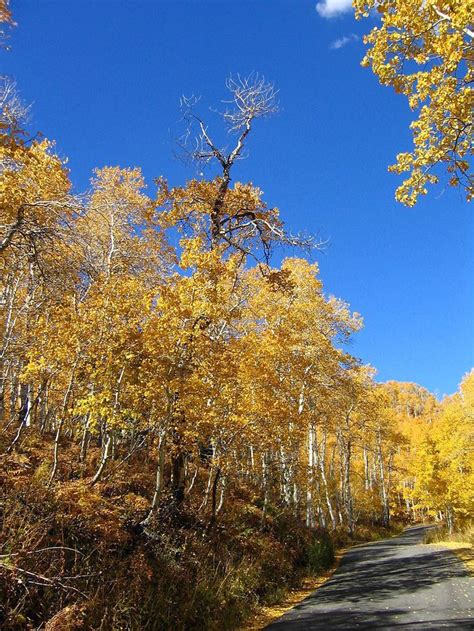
x,y
463,534
75,557
460,541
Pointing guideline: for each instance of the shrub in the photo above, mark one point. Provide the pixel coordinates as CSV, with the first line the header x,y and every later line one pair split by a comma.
x,y
320,553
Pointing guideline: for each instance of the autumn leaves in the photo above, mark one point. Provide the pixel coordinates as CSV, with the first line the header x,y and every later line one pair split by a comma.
x,y
424,51
155,324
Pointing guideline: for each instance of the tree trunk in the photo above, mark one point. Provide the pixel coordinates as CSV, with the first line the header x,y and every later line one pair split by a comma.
x,y
159,479
265,486
215,485
222,494
104,458
383,487
310,479
84,441
322,468
60,425
178,476
346,490
23,413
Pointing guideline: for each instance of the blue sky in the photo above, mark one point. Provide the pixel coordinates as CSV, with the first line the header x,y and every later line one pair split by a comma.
x,y
105,78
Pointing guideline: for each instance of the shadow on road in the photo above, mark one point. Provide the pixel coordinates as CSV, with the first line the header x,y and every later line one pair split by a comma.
x,y
374,587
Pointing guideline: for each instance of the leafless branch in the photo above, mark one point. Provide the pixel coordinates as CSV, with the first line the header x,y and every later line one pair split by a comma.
x,y
250,98
44,581
13,112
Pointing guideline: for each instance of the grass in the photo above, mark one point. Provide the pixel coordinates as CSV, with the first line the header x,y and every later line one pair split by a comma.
x,y
461,542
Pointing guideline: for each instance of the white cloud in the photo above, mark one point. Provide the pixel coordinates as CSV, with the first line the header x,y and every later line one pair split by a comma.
x,y
331,8
343,41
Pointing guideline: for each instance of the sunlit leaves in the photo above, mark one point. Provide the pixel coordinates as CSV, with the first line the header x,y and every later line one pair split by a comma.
x,y
424,50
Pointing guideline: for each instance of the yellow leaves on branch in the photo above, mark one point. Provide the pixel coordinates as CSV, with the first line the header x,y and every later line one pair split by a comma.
x,y
424,50
34,182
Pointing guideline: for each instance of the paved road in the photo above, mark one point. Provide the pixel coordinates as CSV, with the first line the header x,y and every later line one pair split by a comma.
x,y
390,584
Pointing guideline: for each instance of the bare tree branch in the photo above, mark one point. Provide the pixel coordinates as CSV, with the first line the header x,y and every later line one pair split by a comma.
x,y
250,98
13,112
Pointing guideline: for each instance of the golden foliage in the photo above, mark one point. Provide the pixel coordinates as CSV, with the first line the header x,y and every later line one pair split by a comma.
x,y
424,50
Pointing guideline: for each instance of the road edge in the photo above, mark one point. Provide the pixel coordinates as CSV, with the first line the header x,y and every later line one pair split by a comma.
x,y
268,614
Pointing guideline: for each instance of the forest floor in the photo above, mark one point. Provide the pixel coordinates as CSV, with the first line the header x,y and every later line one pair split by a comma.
x,y
389,584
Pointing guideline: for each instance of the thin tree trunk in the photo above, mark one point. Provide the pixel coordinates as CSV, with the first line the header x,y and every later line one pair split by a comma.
x,y
108,434
208,490
322,469
310,479
222,494
366,468
285,482
84,441
159,479
60,425
55,452
23,390
265,486
215,485
104,458
383,488
346,490
193,481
